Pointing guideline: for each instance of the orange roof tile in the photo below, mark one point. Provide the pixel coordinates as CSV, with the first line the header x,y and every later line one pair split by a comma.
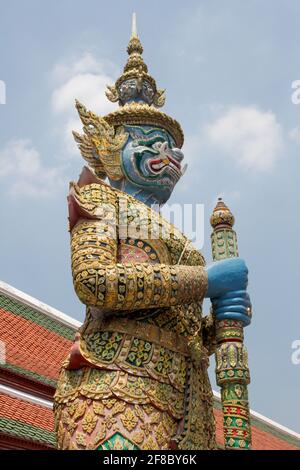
x,y
31,346
26,412
262,440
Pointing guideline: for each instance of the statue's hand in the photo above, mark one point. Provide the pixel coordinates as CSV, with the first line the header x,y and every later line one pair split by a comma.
x,y
227,283
225,276
235,305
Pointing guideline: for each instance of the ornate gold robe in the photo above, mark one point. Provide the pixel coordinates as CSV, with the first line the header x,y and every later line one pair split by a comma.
x,y
136,377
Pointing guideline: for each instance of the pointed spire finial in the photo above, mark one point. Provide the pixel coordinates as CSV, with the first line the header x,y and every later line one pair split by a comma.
x,y
142,86
134,33
135,47
221,216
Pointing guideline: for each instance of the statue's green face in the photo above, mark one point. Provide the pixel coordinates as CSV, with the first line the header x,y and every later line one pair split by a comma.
x,y
151,162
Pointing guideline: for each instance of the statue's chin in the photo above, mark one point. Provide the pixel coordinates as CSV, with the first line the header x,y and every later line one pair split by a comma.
x,y
165,185
163,190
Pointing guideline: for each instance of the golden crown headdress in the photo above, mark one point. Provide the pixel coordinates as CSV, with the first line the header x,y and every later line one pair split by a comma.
x,y
139,99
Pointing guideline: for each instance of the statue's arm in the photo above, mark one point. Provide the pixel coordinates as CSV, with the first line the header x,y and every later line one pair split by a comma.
x,y
100,281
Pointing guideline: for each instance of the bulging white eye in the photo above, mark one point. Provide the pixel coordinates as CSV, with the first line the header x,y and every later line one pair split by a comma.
x,y
161,147
157,146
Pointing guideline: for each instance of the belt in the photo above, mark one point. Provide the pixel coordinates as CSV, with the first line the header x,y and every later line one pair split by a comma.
x,y
144,331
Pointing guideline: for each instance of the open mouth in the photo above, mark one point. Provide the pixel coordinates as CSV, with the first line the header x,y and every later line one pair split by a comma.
x,y
158,164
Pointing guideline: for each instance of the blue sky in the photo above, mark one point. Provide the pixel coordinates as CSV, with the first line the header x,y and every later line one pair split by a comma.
x,y
228,68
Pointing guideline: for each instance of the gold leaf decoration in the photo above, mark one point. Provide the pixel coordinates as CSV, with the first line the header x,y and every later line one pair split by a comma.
x,y
150,444
101,144
138,437
161,436
129,419
98,408
81,439
119,407
80,410
89,422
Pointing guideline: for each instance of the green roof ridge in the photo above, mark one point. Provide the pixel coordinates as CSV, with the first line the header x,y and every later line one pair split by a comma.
x,y
26,431
281,434
29,373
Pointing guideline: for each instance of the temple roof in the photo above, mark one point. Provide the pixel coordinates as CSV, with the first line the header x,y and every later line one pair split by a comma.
x,y
35,343
25,420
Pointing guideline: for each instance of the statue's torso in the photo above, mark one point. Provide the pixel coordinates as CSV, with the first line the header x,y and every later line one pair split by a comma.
x,y
129,373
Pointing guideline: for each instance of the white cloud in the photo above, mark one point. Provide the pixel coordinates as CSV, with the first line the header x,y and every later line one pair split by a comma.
x,y
251,137
84,79
71,124
86,87
63,72
22,170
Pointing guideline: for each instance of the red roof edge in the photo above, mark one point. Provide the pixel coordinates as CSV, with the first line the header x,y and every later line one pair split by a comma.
x,y
8,442
24,384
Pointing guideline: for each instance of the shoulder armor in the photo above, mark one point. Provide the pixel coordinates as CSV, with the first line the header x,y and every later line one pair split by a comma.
x,y
91,201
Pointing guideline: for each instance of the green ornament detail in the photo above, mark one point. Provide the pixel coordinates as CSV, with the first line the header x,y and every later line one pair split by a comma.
x,y
224,244
234,392
118,442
